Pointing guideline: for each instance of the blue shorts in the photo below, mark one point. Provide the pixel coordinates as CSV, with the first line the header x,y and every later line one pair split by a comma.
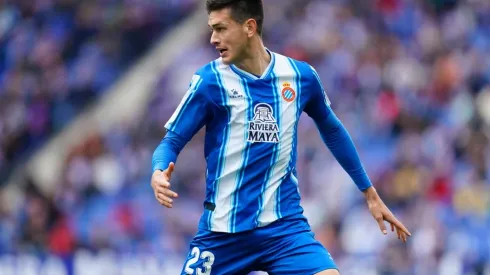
x,y
286,247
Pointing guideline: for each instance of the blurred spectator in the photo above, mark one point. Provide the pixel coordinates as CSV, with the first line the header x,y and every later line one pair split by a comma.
x,y
58,56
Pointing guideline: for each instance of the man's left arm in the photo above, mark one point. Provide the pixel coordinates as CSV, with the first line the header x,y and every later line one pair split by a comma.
x,y
339,142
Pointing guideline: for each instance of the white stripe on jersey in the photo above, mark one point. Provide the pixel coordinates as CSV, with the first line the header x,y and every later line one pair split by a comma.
x,y
293,177
289,113
236,145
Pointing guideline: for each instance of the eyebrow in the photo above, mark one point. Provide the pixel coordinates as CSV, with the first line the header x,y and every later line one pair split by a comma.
x,y
216,25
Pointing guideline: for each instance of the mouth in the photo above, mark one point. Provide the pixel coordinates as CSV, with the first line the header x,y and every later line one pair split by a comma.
x,y
222,51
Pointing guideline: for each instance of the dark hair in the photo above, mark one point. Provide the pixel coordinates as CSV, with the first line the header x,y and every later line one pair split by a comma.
x,y
241,10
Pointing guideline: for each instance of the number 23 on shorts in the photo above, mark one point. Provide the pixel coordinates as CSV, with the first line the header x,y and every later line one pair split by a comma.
x,y
208,258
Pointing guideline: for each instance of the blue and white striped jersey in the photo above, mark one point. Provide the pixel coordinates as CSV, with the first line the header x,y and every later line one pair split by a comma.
x,y
251,138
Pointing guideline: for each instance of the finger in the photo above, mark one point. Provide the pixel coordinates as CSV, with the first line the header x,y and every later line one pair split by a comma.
x,y
168,172
391,219
401,235
161,190
165,203
167,192
164,198
403,228
382,225
404,237
171,193
161,182
392,227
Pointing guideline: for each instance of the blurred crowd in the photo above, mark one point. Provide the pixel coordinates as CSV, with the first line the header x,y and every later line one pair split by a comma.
x,y
410,80
57,56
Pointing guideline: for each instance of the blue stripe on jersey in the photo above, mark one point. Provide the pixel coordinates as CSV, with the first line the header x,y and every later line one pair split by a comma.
x,y
288,194
277,210
325,97
250,195
224,143
210,182
245,157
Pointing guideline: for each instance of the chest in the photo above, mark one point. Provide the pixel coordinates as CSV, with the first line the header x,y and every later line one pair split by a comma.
x,y
265,109
261,97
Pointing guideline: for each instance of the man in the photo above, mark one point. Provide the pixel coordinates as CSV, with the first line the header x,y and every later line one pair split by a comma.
x,y
250,100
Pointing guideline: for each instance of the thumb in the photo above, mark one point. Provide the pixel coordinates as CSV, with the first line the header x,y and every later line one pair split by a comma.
x,y
168,172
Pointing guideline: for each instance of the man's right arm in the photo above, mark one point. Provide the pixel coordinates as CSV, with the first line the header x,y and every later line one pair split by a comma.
x,y
190,116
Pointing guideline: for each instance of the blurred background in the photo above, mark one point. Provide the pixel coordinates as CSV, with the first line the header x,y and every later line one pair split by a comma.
x,y
87,86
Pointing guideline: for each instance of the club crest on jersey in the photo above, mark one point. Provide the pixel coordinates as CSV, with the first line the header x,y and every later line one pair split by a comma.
x,y
288,93
263,127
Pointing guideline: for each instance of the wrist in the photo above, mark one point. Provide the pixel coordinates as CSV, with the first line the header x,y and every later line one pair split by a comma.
x,y
370,194
157,171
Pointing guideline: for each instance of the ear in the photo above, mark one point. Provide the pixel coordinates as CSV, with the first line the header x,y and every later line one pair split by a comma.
x,y
250,27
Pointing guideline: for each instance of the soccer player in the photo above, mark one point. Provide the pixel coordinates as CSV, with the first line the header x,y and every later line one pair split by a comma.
x,y
250,100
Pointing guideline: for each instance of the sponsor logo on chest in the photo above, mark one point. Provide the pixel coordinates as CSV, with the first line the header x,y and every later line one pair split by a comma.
x,y
263,127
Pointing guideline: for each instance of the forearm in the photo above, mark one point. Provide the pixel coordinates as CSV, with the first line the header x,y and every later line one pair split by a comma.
x,y
167,151
342,147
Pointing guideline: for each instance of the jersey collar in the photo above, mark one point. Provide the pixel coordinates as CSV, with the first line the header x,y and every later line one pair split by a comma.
x,y
253,77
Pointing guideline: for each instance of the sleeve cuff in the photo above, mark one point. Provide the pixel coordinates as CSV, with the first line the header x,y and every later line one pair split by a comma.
x,y
362,181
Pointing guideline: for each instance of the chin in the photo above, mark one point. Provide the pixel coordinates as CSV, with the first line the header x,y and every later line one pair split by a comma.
x,y
226,60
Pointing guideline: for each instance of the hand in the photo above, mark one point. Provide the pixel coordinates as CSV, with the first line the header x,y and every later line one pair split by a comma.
x,y
160,182
381,213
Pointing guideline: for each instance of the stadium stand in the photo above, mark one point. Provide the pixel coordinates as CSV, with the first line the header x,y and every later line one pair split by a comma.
x,y
58,56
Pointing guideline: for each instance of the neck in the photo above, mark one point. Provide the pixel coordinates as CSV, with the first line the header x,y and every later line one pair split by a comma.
x,y
256,59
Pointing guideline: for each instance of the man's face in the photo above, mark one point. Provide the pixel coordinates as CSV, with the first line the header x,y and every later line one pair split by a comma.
x,y
228,36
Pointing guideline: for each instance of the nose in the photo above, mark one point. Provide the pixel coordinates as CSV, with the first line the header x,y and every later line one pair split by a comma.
x,y
214,39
